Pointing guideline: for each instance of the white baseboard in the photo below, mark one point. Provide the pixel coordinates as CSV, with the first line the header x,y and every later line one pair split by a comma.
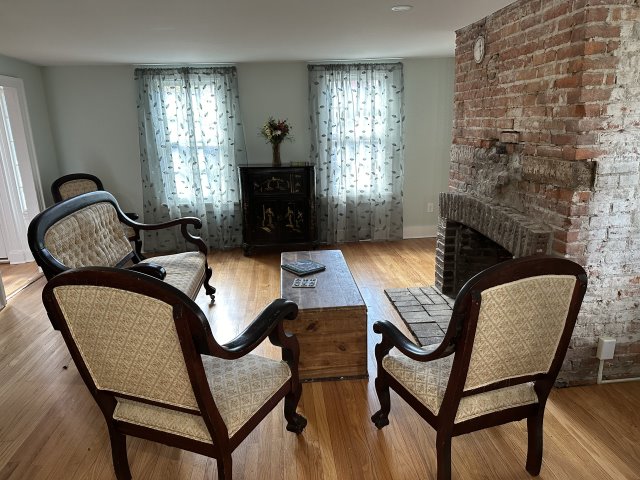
x,y
20,256
420,231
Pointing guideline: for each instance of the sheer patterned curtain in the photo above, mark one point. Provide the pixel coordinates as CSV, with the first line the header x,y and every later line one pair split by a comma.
x,y
191,141
357,145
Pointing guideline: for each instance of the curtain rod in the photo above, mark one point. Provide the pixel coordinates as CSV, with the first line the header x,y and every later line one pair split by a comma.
x,y
358,60
182,65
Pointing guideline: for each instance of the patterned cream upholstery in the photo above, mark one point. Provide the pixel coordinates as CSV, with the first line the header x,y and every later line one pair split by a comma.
x,y
73,188
184,270
239,387
427,381
137,352
91,236
519,327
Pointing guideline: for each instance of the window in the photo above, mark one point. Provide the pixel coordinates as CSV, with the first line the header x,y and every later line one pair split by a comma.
x,y
357,145
183,145
191,141
365,127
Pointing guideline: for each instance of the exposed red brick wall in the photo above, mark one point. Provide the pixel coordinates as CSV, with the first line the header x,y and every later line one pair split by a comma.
x,y
549,124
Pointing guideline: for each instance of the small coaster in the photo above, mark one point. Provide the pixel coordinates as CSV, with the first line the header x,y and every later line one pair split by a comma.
x,y
304,283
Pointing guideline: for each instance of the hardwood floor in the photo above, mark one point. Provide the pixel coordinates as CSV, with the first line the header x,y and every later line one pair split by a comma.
x,y
15,277
50,427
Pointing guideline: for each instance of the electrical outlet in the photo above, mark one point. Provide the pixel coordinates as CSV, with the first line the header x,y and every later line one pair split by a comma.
x,y
429,207
606,348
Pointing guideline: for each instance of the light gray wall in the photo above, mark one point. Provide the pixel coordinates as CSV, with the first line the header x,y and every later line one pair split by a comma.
x,y
31,76
279,90
93,111
94,121
428,86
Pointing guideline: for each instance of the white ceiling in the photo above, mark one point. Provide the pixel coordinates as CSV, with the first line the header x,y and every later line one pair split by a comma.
x,y
90,32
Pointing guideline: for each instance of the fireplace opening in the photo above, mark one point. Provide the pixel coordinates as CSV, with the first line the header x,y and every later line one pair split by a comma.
x,y
474,235
467,253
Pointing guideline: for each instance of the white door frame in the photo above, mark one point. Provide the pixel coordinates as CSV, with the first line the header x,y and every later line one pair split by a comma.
x,y
3,295
11,212
3,243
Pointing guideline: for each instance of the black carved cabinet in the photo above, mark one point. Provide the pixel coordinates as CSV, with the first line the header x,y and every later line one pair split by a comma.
x,y
278,206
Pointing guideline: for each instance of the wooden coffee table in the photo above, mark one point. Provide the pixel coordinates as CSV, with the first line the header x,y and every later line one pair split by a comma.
x,y
332,319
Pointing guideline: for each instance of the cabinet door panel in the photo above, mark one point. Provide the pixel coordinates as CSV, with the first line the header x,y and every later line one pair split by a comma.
x,y
295,225
264,222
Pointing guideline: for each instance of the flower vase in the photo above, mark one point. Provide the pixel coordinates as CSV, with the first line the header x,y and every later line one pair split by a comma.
x,y
276,154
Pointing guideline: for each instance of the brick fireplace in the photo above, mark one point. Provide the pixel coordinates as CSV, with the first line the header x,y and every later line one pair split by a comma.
x,y
545,159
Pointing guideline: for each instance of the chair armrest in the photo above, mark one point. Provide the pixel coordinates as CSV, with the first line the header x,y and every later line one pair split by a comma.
x,y
132,216
261,327
183,221
151,269
393,337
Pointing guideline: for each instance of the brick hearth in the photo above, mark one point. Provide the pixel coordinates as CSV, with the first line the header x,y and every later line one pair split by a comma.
x,y
425,310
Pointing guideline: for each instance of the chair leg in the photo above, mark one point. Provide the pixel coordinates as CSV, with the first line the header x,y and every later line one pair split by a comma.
x,y
119,454
138,248
295,421
381,417
534,450
443,453
225,465
207,286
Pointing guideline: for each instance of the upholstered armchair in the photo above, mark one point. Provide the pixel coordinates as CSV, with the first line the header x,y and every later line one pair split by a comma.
x,y
74,184
147,354
501,354
85,231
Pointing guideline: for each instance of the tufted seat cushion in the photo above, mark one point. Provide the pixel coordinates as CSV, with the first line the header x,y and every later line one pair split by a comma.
x,y
427,381
184,270
239,388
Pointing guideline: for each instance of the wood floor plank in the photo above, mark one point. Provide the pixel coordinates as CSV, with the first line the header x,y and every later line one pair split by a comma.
x,y
51,429
17,276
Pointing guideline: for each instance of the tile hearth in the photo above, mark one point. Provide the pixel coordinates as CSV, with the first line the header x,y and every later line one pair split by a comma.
x,y
425,310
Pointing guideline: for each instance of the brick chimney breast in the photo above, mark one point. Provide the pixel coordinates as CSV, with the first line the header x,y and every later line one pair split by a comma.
x,y
547,133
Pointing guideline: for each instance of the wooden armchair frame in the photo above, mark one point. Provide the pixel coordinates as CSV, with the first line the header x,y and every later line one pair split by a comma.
x,y
458,341
195,339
